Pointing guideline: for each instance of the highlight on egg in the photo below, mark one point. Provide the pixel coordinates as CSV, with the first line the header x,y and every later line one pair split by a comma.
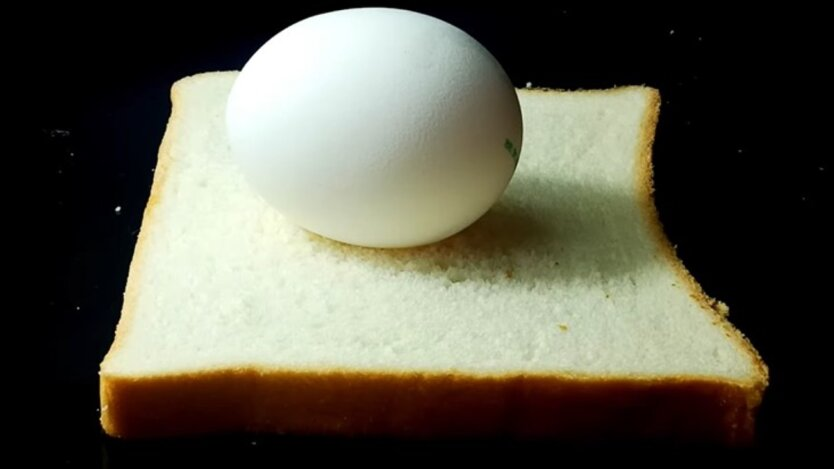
x,y
376,127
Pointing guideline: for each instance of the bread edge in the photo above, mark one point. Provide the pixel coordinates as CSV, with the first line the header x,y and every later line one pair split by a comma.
x,y
716,310
149,214
113,387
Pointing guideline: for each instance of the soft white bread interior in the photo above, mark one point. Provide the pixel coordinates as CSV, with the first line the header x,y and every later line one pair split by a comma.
x,y
563,311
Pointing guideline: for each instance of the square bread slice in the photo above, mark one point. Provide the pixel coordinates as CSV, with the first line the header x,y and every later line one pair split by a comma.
x,y
564,312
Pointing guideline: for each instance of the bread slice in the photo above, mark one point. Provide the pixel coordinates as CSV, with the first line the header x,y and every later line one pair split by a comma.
x,y
562,312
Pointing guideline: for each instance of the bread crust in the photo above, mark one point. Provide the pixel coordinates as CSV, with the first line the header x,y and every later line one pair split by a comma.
x,y
341,402
423,405
717,310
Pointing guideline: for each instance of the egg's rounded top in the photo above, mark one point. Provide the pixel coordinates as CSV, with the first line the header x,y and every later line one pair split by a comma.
x,y
377,127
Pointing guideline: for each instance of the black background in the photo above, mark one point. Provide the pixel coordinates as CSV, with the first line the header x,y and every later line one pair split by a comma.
x,y
739,183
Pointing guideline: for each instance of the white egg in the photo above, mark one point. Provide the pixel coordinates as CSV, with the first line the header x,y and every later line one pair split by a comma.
x,y
376,127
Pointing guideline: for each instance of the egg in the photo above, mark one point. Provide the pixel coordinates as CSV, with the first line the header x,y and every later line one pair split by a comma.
x,y
376,127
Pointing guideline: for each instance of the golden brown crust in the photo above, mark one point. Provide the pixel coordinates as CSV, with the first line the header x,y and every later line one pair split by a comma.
x,y
422,406
571,406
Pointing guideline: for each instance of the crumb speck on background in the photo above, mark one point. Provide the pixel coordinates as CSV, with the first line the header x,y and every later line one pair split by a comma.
x,y
253,443
54,133
700,39
822,169
60,171
563,327
529,84
72,153
78,308
118,209
671,32
740,150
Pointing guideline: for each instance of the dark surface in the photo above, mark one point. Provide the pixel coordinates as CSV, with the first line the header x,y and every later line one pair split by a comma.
x,y
731,192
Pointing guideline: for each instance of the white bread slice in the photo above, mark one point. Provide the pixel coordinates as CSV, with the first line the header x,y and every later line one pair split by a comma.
x,y
563,312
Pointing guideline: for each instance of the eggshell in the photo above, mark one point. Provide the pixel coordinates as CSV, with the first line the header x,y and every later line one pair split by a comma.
x,y
377,127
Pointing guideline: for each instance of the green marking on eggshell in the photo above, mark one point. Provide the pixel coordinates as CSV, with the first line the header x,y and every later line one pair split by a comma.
x,y
512,150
